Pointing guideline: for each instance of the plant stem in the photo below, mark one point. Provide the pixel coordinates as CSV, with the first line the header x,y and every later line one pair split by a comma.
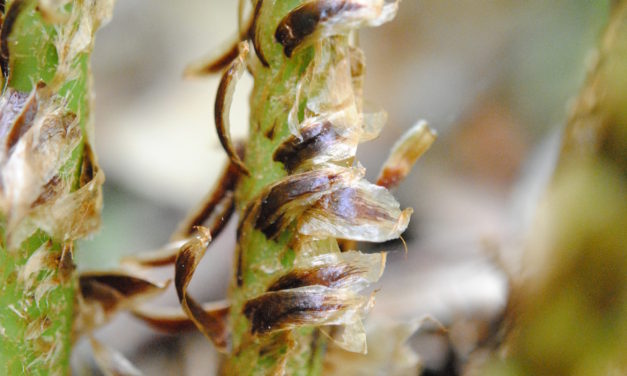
x,y
273,82
50,183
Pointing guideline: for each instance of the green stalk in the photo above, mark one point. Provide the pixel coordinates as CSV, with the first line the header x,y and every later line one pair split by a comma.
x,y
47,44
272,82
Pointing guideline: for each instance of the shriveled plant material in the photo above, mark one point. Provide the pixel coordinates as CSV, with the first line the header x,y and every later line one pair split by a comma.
x,y
49,177
102,294
211,323
299,189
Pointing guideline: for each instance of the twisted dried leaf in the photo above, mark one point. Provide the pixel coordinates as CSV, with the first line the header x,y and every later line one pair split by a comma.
x,y
214,212
223,102
211,323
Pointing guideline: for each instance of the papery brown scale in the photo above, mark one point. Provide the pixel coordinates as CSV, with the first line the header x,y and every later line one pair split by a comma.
x,y
404,154
169,325
327,275
270,217
314,139
347,203
302,21
219,64
283,309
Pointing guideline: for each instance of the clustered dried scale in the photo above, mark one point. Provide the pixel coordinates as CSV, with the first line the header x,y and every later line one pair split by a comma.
x,y
323,197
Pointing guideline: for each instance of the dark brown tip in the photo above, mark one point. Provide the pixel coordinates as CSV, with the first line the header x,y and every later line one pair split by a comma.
x,y
270,216
327,275
280,310
111,289
391,177
315,138
89,167
302,21
219,63
271,131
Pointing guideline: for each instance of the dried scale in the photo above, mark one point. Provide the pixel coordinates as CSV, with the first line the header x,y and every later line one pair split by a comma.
x,y
295,184
299,189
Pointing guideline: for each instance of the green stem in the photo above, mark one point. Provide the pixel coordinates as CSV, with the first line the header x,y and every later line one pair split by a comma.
x,y
40,223
273,82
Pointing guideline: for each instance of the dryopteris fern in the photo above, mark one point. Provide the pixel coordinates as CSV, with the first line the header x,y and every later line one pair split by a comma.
x,y
50,182
299,190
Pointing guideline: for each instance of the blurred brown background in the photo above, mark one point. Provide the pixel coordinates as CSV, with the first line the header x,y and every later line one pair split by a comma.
x,y
492,77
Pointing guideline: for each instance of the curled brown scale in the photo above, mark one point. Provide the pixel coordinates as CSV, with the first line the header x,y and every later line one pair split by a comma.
x,y
212,323
328,275
279,310
222,107
302,21
314,139
324,196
